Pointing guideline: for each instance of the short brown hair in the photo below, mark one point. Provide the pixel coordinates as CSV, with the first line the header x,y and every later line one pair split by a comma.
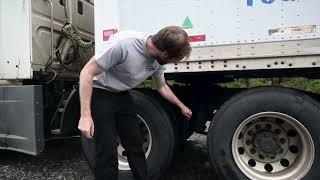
x,y
174,40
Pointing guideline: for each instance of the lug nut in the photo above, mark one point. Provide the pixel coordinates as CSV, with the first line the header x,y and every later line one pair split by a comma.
x,y
261,156
281,150
252,151
248,142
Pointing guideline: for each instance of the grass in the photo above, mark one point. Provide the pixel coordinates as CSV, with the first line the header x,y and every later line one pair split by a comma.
x,y
311,85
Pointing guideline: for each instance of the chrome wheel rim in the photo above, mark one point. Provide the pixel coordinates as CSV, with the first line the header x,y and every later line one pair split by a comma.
x,y
272,145
147,143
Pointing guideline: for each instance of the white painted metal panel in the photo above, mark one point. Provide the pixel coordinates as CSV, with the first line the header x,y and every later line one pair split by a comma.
x,y
15,39
223,30
223,22
106,19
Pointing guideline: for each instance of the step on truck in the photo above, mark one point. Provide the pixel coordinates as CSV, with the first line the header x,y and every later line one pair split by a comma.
x,y
259,133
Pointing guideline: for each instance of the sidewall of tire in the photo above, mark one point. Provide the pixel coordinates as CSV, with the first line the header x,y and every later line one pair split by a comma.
x,y
179,123
244,105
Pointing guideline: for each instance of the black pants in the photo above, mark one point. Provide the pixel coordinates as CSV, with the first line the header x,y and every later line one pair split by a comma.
x,y
114,116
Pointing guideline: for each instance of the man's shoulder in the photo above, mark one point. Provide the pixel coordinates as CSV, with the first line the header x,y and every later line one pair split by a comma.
x,y
126,40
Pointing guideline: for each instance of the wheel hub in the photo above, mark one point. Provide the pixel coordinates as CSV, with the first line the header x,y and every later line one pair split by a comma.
x,y
272,145
267,142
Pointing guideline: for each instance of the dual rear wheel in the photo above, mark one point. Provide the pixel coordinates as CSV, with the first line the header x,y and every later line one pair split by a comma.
x,y
266,133
260,134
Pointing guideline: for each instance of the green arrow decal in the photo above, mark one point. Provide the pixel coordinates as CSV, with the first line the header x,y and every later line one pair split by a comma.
x,y
187,24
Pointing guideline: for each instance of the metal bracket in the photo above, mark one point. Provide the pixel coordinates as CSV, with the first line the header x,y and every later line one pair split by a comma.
x,y
52,49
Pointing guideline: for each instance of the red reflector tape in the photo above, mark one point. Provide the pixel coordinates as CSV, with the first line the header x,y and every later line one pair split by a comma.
x,y
108,33
197,38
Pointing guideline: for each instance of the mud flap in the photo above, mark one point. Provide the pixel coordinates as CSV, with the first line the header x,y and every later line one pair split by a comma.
x,y
21,119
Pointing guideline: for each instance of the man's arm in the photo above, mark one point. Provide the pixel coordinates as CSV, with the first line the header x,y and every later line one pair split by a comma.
x,y
90,70
167,93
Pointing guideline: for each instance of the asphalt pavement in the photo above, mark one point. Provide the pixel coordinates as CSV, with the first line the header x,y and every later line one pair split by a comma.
x,y
64,160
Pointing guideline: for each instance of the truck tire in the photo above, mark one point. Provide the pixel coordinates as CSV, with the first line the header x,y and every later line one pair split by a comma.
x,y
266,133
159,139
179,123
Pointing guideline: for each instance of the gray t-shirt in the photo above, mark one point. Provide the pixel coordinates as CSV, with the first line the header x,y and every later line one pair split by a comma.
x,y
126,64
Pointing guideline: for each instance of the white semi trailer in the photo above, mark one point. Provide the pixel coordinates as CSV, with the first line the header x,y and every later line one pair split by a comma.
x,y
261,133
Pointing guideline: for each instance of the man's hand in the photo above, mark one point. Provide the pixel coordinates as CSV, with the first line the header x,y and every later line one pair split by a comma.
x,y
91,69
86,126
166,93
186,112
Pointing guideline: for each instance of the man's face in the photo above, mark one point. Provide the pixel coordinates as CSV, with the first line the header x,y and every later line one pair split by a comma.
x,y
163,58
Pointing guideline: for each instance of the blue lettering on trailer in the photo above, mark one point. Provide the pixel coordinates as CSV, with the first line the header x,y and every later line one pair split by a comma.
x,y
250,2
268,1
